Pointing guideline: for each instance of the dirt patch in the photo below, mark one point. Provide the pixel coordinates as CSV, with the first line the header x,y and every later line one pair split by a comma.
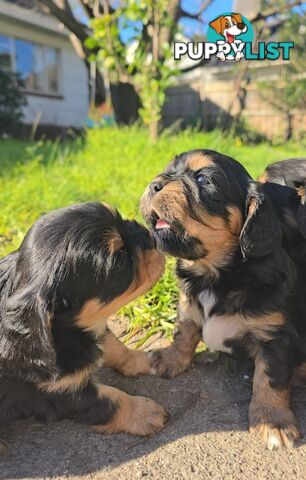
x,y
206,438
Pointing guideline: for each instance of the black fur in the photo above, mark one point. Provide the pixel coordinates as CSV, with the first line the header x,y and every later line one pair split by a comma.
x,y
64,261
290,172
20,400
264,274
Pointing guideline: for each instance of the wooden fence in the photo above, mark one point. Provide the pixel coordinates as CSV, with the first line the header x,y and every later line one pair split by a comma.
x,y
204,98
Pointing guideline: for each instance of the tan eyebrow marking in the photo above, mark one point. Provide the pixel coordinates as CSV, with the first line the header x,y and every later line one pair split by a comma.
x,y
198,160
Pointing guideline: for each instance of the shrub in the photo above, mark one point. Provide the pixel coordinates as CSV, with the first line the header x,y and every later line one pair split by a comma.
x,y
11,102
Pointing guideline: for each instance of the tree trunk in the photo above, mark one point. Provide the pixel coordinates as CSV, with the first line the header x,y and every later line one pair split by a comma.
x,y
289,129
100,88
126,103
153,130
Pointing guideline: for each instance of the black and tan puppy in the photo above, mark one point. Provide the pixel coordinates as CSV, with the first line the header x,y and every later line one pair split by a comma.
x,y
75,267
290,172
242,269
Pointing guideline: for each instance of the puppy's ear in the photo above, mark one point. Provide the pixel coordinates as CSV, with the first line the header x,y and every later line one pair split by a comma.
x,y
216,24
237,17
26,345
261,231
114,241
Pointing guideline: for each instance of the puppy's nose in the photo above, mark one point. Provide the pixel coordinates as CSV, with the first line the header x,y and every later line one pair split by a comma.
x,y
241,26
156,187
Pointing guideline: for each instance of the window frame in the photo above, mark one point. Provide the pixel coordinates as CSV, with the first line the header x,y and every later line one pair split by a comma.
x,y
45,91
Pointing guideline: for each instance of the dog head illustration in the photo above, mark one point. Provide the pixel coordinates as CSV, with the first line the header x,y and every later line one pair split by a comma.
x,y
230,26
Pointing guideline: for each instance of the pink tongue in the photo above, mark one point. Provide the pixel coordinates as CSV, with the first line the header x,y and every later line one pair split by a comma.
x,y
162,224
230,38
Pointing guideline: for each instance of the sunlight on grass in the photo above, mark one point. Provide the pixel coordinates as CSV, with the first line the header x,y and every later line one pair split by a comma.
x,y
112,165
155,311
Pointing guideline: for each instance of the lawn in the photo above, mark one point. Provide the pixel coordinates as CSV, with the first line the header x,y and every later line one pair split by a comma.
x,y
111,165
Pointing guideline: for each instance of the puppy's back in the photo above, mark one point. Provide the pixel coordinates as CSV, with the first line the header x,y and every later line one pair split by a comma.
x,y
290,172
7,267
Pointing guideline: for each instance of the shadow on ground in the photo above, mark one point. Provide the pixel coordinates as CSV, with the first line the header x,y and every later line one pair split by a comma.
x,y
206,437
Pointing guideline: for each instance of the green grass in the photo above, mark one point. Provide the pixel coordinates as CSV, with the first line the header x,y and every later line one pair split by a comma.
x,y
111,165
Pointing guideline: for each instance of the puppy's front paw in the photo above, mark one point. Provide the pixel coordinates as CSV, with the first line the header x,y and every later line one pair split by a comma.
x,y
148,417
169,362
276,426
137,416
137,363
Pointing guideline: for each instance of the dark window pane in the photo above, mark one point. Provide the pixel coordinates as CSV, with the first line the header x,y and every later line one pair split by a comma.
x,y
29,64
29,4
5,54
51,66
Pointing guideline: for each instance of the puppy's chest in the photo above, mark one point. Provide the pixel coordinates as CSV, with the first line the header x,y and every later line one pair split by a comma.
x,y
217,329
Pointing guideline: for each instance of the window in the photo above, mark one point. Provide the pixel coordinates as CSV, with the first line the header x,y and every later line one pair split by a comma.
x,y
5,53
51,63
29,65
37,66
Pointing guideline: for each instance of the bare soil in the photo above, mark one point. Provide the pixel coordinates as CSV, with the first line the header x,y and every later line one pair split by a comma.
x,y
206,437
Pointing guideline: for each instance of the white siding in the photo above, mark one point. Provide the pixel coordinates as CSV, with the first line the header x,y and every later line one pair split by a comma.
x,y
70,108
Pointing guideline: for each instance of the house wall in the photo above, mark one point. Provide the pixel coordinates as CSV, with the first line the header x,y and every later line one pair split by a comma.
x,y
70,107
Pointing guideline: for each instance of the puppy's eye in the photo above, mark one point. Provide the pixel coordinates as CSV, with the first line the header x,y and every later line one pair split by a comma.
x,y
202,180
227,25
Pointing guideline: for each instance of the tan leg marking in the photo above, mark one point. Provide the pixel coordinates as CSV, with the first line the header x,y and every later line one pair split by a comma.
x,y
135,415
263,327
71,383
175,359
127,361
270,415
94,314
